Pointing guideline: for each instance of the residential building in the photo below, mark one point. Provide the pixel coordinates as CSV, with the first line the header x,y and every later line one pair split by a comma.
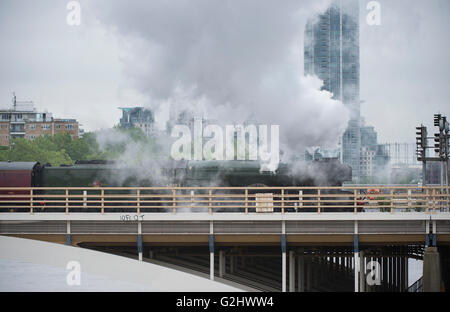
x,y
139,117
24,121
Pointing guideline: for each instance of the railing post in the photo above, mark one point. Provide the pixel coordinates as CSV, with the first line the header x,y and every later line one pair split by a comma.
x,y
31,201
210,202
434,201
84,199
282,201
355,200
138,193
392,201
300,197
318,201
174,201
246,201
409,199
67,201
103,201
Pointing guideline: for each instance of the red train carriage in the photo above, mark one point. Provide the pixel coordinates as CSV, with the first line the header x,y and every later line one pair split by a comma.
x,y
17,174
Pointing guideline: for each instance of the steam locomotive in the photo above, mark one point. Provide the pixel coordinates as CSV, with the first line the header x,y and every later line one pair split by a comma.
x,y
175,173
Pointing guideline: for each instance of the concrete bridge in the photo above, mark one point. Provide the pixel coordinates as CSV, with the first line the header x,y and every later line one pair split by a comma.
x,y
271,239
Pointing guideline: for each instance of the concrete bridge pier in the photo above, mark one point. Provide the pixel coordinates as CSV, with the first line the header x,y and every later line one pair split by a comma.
x,y
431,270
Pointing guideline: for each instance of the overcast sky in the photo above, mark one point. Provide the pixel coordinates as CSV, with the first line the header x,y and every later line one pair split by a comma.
x,y
122,54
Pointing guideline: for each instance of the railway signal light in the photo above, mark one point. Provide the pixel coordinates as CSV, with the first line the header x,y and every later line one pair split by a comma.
x,y
441,138
421,141
437,119
441,146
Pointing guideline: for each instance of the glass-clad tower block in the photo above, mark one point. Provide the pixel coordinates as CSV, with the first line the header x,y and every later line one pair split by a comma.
x,y
331,52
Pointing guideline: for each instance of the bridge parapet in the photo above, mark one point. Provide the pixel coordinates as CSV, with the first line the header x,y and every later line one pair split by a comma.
x,y
247,200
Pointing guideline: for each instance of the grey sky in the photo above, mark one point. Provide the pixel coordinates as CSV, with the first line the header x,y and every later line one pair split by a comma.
x,y
86,72
405,66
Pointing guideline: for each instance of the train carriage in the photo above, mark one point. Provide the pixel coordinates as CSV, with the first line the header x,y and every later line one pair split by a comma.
x,y
17,174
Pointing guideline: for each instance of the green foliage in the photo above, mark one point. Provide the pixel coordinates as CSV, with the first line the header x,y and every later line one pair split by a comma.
x,y
63,149
25,150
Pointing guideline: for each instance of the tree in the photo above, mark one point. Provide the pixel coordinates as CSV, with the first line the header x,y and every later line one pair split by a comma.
x,y
124,144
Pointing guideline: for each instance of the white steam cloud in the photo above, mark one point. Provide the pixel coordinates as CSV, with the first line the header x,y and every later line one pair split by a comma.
x,y
230,61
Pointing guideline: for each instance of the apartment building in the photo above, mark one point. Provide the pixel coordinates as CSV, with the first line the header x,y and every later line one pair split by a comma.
x,y
24,121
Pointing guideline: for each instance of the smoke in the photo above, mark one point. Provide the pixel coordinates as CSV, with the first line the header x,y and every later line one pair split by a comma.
x,y
137,160
229,61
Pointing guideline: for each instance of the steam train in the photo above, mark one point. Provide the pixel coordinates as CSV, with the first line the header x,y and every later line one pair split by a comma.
x,y
179,173
174,173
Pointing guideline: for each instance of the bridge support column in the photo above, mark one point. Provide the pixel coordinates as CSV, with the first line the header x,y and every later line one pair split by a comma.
x,y
301,273
406,273
283,262
383,273
283,256
139,242
397,273
356,257
402,274
232,264
309,268
362,274
221,263
291,271
211,257
391,274
431,270
68,239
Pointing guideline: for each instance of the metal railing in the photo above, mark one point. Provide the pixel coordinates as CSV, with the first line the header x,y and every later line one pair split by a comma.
x,y
417,286
319,200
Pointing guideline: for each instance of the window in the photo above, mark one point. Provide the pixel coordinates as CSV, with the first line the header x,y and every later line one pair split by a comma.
x,y
32,137
45,127
69,127
58,127
32,127
6,116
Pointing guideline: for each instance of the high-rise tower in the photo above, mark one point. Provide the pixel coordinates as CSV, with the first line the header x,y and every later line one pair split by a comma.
x,y
331,52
